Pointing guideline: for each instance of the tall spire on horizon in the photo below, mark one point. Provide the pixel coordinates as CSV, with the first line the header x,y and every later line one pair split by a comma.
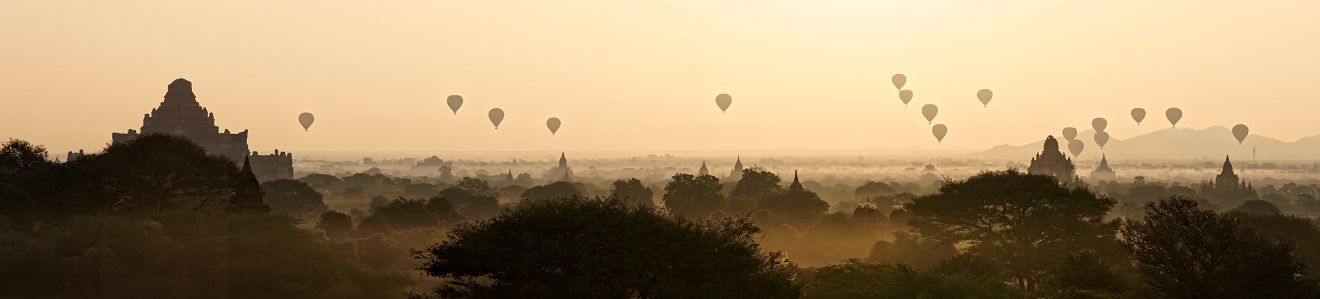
x,y
797,185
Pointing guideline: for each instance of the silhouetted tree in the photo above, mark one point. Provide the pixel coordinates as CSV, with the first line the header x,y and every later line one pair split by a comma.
x,y
403,213
632,191
872,189
589,248
693,196
18,157
1298,231
1025,223
153,172
757,182
1188,252
378,202
908,249
550,191
472,198
800,208
336,224
1085,274
292,197
1256,207
855,279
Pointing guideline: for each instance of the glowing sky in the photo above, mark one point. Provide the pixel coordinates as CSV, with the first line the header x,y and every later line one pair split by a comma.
x,y
642,75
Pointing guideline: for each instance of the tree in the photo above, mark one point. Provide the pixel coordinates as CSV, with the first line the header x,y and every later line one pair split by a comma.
x,y
1085,274
403,214
908,249
336,224
757,182
854,279
292,197
1256,207
1025,223
18,157
550,191
591,248
800,208
1185,251
693,196
872,189
632,191
473,198
151,173
1300,232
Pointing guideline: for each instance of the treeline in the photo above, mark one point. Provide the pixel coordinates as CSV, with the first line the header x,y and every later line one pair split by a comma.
x,y
158,217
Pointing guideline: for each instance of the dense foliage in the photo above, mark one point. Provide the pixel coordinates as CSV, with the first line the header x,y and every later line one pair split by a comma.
x,y
586,248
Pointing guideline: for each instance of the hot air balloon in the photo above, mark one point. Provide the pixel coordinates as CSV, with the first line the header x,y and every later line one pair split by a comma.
x,y
455,102
723,100
1101,139
1075,146
929,111
1138,115
1240,132
306,120
899,80
984,95
939,130
552,123
1069,133
905,96
1174,114
1099,124
496,117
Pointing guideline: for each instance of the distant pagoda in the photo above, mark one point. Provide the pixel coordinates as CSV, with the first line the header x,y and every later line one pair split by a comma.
x,y
1227,187
736,174
703,171
560,172
1052,162
1103,172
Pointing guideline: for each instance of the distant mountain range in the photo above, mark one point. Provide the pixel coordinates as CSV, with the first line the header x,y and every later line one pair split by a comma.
x,y
1172,143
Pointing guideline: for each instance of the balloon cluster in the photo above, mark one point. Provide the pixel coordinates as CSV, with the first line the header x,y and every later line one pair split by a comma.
x,y
930,111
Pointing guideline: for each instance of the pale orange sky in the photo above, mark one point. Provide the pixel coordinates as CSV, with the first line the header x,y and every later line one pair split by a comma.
x,y
642,75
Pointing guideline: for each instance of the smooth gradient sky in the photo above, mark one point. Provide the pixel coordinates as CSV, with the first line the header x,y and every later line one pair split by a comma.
x,y
643,75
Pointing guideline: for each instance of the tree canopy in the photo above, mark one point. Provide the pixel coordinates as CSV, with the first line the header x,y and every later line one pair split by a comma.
x,y
1025,223
693,196
591,248
1189,252
632,191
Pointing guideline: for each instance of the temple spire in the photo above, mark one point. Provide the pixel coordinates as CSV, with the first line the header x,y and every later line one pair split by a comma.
x,y
1228,165
797,185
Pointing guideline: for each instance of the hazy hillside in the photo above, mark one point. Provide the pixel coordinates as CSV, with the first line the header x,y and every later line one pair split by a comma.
x,y
1173,143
